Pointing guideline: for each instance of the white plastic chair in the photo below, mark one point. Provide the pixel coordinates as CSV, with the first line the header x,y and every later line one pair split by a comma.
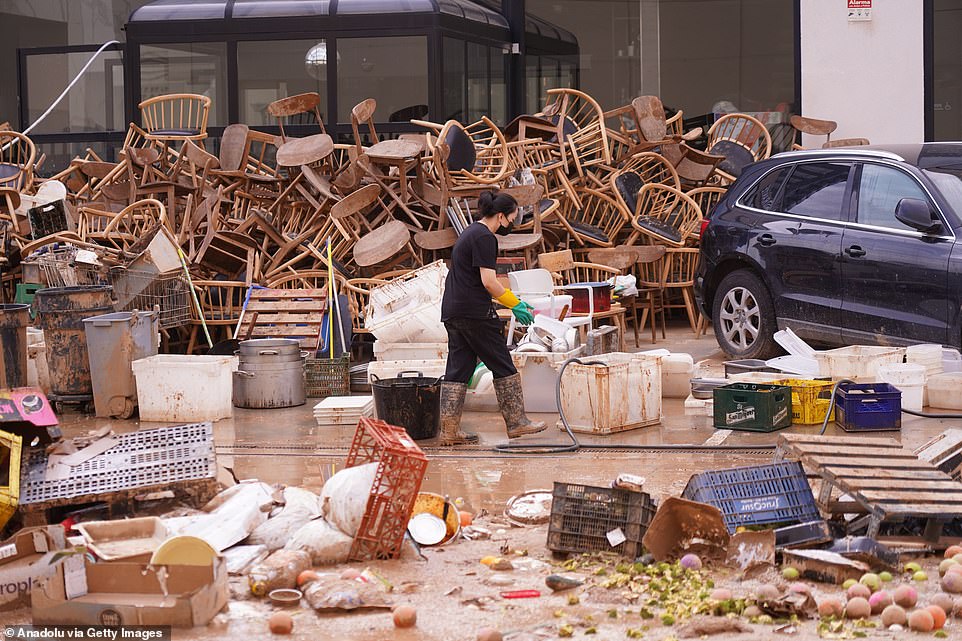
x,y
536,287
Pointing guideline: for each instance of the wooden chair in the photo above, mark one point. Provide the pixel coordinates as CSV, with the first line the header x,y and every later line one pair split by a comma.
x,y
706,198
666,216
297,110
17,157
644,125
811,126
694,168
358,292
221,302
846,142
581,133
647,265
641,169
598,221
121,230
741,139
393,160
680,267
179,116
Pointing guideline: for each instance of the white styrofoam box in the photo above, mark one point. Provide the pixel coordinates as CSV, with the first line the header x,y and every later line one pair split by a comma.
x,y
390,369
539,377
857,362
385,351
945,390
184,388
622,394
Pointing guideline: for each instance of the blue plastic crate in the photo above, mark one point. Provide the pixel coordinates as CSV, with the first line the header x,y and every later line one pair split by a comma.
x,y
758,495
868,407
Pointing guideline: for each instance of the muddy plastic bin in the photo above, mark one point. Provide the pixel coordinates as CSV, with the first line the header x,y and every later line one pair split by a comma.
x,y
60,313
13,345
410,400
114,341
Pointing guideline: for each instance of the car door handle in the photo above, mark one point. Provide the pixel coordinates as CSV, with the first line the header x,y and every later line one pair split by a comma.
x,y
766,240
855,251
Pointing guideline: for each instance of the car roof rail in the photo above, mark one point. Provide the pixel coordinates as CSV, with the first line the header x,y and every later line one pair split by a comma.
x,y
874,153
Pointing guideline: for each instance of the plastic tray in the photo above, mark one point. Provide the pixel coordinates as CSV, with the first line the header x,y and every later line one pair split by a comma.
x,y
586,519
758,495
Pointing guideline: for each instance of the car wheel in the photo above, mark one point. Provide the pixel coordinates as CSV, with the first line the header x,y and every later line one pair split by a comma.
x,y
744,317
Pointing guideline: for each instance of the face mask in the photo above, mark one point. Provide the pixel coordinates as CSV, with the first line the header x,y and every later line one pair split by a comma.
x,y
504,230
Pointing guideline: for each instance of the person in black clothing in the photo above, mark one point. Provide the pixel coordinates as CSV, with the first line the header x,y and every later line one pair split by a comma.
x,y
474,329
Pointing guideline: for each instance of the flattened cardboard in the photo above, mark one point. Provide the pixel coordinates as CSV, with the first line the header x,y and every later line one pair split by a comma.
x,y
135,594
24,558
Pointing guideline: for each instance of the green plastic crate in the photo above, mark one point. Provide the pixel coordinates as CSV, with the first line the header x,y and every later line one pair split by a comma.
x,y
752,407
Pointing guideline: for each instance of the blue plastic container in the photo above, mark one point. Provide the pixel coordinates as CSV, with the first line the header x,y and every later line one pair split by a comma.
x,y
868,407
758,495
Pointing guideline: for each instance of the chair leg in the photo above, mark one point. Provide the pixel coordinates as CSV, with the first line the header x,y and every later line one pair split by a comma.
x,y
689,298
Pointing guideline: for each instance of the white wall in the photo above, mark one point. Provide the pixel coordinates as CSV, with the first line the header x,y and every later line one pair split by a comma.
x,y
867,76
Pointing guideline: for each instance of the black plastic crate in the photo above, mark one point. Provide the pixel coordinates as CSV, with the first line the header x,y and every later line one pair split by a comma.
x,y
868,407
582,517
752,407
757,495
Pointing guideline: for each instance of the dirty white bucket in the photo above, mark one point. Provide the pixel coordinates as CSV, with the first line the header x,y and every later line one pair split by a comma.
x,y
945,391
622,394
907,377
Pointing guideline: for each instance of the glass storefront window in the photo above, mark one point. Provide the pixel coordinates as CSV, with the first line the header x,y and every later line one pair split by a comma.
x,y
269,70
96,104
198,67
499,98
393,71
452,78
947,77
477,81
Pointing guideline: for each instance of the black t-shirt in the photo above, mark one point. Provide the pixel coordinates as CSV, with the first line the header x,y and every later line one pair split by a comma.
x,y
464,294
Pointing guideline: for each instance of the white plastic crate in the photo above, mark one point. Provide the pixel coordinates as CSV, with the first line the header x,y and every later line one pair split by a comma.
x,y
857,362
622,394
385,351
539,377
188,389
945,391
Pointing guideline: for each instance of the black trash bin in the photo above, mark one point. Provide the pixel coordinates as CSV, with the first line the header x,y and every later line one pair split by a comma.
x,y
13,345
410,400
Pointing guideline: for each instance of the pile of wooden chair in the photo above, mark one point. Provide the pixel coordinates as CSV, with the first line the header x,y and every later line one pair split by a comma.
x,y
286,212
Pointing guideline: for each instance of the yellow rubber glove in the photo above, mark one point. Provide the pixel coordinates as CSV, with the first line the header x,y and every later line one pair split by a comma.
x,y
508,299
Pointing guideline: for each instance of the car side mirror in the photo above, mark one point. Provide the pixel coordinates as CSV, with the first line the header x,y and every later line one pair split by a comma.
x,y
917,214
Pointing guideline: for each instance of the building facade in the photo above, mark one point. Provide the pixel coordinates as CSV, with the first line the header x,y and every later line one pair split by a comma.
x,y
886,70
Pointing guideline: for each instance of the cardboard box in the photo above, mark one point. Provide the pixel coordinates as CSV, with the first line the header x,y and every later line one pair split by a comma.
x,y
85,593
24,558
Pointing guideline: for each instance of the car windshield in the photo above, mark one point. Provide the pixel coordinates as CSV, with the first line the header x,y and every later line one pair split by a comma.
x,y
949,182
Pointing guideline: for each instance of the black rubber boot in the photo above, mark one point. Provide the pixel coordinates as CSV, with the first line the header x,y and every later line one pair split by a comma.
x,y
511,402
452,403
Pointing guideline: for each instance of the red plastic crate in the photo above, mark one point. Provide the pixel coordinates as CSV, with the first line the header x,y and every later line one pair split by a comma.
x,y
395,488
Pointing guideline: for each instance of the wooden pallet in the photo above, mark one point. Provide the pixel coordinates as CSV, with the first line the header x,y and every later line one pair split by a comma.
x,y
285,313
885,481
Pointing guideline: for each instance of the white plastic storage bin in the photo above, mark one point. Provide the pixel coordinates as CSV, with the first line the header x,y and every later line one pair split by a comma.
x,y
390,369
385,351
951,360
408,309
677,371
539,377
909,378
928,355
857,362
185,389
945,391
622,394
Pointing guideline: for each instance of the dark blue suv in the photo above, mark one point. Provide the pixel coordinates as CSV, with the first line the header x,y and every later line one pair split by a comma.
x,y
844,246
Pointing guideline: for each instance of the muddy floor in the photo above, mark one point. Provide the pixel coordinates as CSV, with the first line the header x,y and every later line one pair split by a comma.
x,y
453,592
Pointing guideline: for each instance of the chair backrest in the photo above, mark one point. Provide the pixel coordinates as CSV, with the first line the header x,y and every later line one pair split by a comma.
x,y
531,281
680,267
17,157
558,261
233,144
636,172
297,110
650,114
462,155
622,258
667,215
650,265
813,126
599,219
179,116
743,130
589,141
363,114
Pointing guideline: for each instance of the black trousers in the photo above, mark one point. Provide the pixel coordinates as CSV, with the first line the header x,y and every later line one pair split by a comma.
x,y
471,339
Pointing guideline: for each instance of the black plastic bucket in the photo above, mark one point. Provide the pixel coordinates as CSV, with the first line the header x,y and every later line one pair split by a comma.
x,y
411,402
13,345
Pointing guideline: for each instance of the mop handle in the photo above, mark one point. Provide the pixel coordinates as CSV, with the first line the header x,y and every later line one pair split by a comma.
x,y
193,294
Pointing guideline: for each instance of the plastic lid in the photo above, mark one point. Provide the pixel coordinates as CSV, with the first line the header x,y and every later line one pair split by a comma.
x,y
793,344
184,550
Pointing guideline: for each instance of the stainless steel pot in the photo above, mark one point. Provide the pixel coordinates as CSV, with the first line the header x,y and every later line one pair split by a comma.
x,y
267,357
277,346
270,385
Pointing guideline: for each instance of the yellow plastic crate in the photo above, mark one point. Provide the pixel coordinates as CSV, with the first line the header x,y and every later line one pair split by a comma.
x,y
10,444
810,400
